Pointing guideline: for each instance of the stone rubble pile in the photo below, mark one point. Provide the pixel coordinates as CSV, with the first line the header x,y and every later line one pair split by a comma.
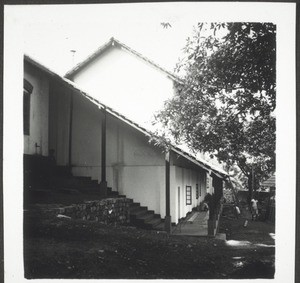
x,y
110,210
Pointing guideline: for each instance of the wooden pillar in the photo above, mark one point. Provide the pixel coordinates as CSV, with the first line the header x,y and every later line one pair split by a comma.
x,y
168,227
70,130
103,183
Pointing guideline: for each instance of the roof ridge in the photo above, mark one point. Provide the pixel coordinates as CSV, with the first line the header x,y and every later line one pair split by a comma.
x,y
110,43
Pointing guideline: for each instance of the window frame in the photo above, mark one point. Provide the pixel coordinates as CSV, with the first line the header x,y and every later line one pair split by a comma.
x,y
188,195
27,90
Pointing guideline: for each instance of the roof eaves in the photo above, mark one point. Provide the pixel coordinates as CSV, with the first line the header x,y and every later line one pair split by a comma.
x,y
218,174
147,60
42,67
83,63
189,157
207,166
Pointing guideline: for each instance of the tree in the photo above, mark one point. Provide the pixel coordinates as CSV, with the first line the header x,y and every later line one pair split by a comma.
x,y
225,103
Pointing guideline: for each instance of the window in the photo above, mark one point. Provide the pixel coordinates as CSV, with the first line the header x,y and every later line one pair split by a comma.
x,y
27,90
207,183
197,191
188,195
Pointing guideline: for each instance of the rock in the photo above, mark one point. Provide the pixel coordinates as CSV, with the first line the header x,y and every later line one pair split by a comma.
x,y
63,216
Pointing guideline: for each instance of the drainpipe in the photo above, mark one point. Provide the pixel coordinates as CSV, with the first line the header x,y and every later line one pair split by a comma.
x,y
103,183
168,216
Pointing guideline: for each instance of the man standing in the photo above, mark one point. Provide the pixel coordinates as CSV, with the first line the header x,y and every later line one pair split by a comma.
x,y
254,209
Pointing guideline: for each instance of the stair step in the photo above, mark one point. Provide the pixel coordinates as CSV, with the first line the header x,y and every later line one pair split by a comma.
x,y
63,171
135,204
113,193
141,217
145,217
89,187
152,226
121,196
94,182
137,208
68,191
115,196
150,223
78,185
138,214
159,227
153,222
84,180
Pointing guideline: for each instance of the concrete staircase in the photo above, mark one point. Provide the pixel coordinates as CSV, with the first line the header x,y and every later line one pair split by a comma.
x,y
141,217
111,193
47,183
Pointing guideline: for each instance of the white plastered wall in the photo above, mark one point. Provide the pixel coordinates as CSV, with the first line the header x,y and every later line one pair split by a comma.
x,y
134,167
39,110
126,83
144,170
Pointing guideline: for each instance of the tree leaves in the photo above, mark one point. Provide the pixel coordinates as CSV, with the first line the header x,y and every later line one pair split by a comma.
x,y
226,104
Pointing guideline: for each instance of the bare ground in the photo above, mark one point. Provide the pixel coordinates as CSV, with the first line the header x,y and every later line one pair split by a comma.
x,y
64,248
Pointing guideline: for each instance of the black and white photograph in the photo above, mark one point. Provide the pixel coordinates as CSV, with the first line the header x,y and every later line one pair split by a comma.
x,y
149,141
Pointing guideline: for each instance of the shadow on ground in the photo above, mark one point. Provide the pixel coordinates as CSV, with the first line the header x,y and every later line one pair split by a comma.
x,y
66,248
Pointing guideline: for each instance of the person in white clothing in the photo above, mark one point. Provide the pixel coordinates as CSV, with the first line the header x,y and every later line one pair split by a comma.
x,y
254,209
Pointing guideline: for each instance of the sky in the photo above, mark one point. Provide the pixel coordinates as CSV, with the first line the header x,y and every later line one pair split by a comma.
x,y
50,32
53,31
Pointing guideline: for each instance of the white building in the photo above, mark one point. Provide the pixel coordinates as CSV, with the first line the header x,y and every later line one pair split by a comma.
x,y
94,140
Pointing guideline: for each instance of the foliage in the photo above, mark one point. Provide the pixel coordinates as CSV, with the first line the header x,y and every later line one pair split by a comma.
x,y
226,101
166,25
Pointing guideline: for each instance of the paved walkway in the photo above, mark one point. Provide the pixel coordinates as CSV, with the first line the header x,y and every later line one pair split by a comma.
x,y
194,225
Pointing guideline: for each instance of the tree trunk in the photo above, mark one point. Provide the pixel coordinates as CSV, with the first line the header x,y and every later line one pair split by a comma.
x,y
250,187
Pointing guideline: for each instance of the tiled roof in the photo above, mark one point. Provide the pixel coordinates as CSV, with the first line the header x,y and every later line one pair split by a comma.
x,y
116,43
271,182
202,163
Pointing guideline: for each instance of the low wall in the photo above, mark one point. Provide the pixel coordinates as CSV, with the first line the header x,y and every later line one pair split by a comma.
x,y
110,210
